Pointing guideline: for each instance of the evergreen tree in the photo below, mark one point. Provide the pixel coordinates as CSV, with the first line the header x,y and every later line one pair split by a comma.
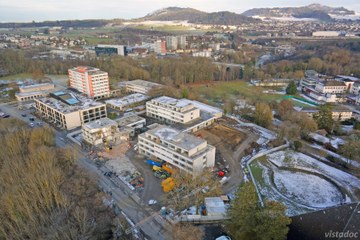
x,y
291,88
252,222
324,118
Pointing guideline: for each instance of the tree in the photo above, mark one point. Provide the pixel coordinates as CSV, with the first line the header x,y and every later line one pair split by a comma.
x,y
188,189
229,106
285,108
297,145
252,222
351,150
263,114
291,88
324,118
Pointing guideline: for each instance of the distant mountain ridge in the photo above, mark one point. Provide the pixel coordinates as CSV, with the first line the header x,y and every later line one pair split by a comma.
x,y
195,16
315,10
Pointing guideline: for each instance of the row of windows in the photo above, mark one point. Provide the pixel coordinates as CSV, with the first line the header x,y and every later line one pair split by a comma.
x,y
175,156
165,158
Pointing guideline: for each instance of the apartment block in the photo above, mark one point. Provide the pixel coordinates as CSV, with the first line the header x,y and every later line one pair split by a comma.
x,y
132,122
90,81
140,86
172,110
171,42
331,86
182,150
68,110
122,104
101,131
181,41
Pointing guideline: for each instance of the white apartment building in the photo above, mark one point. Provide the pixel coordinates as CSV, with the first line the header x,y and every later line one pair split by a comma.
x,y
123,103
330,87
179,149
172,110
181,41
68,110
171,42
140,86
90,81
101,131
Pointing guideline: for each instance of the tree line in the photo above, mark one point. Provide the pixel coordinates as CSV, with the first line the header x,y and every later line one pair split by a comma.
x,y
43,193
173,71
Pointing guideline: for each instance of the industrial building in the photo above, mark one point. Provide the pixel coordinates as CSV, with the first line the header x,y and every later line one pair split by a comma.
x,y
69,110
90,81
182,150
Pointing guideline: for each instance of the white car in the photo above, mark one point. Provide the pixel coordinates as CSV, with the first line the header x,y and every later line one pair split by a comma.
x,y
152,202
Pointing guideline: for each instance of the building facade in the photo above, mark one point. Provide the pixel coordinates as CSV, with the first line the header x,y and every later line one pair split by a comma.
x,y
122,104
172,110
90,81
179,149
68,111
101,131
330,87
140,86
171,42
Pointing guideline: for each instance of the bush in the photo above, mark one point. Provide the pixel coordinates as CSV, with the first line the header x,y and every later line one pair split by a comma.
x,y
297,145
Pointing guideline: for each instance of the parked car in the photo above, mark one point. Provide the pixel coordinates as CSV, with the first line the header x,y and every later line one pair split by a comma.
x,y
23,115
32,119
152,202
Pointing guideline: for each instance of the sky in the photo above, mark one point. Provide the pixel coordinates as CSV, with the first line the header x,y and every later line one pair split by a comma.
x,y
40,10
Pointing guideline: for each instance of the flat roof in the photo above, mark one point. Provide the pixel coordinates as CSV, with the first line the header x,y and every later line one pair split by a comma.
x,y
185,102
215,205
36,85
180,139
129,119
127,100
89,70
67,102
143,83
100,123
29,94
180,103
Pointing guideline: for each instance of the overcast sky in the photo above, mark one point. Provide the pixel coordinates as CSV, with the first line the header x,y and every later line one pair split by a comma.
x,y
40,10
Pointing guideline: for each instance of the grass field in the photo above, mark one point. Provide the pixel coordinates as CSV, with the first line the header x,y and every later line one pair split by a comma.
x,y
17,76
217,92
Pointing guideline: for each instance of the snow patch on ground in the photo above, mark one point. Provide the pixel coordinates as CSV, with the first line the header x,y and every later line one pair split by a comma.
x,y
304,162
303,192
313,190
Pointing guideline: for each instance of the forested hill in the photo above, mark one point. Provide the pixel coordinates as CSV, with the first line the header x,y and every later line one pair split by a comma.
x,y
64,23
195,16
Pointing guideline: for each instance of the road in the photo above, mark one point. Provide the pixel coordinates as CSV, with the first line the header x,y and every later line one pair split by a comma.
x,y
147,221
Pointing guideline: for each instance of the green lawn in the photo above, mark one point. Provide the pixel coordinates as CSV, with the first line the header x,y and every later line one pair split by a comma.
x,y
257,171
236,89
17,76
